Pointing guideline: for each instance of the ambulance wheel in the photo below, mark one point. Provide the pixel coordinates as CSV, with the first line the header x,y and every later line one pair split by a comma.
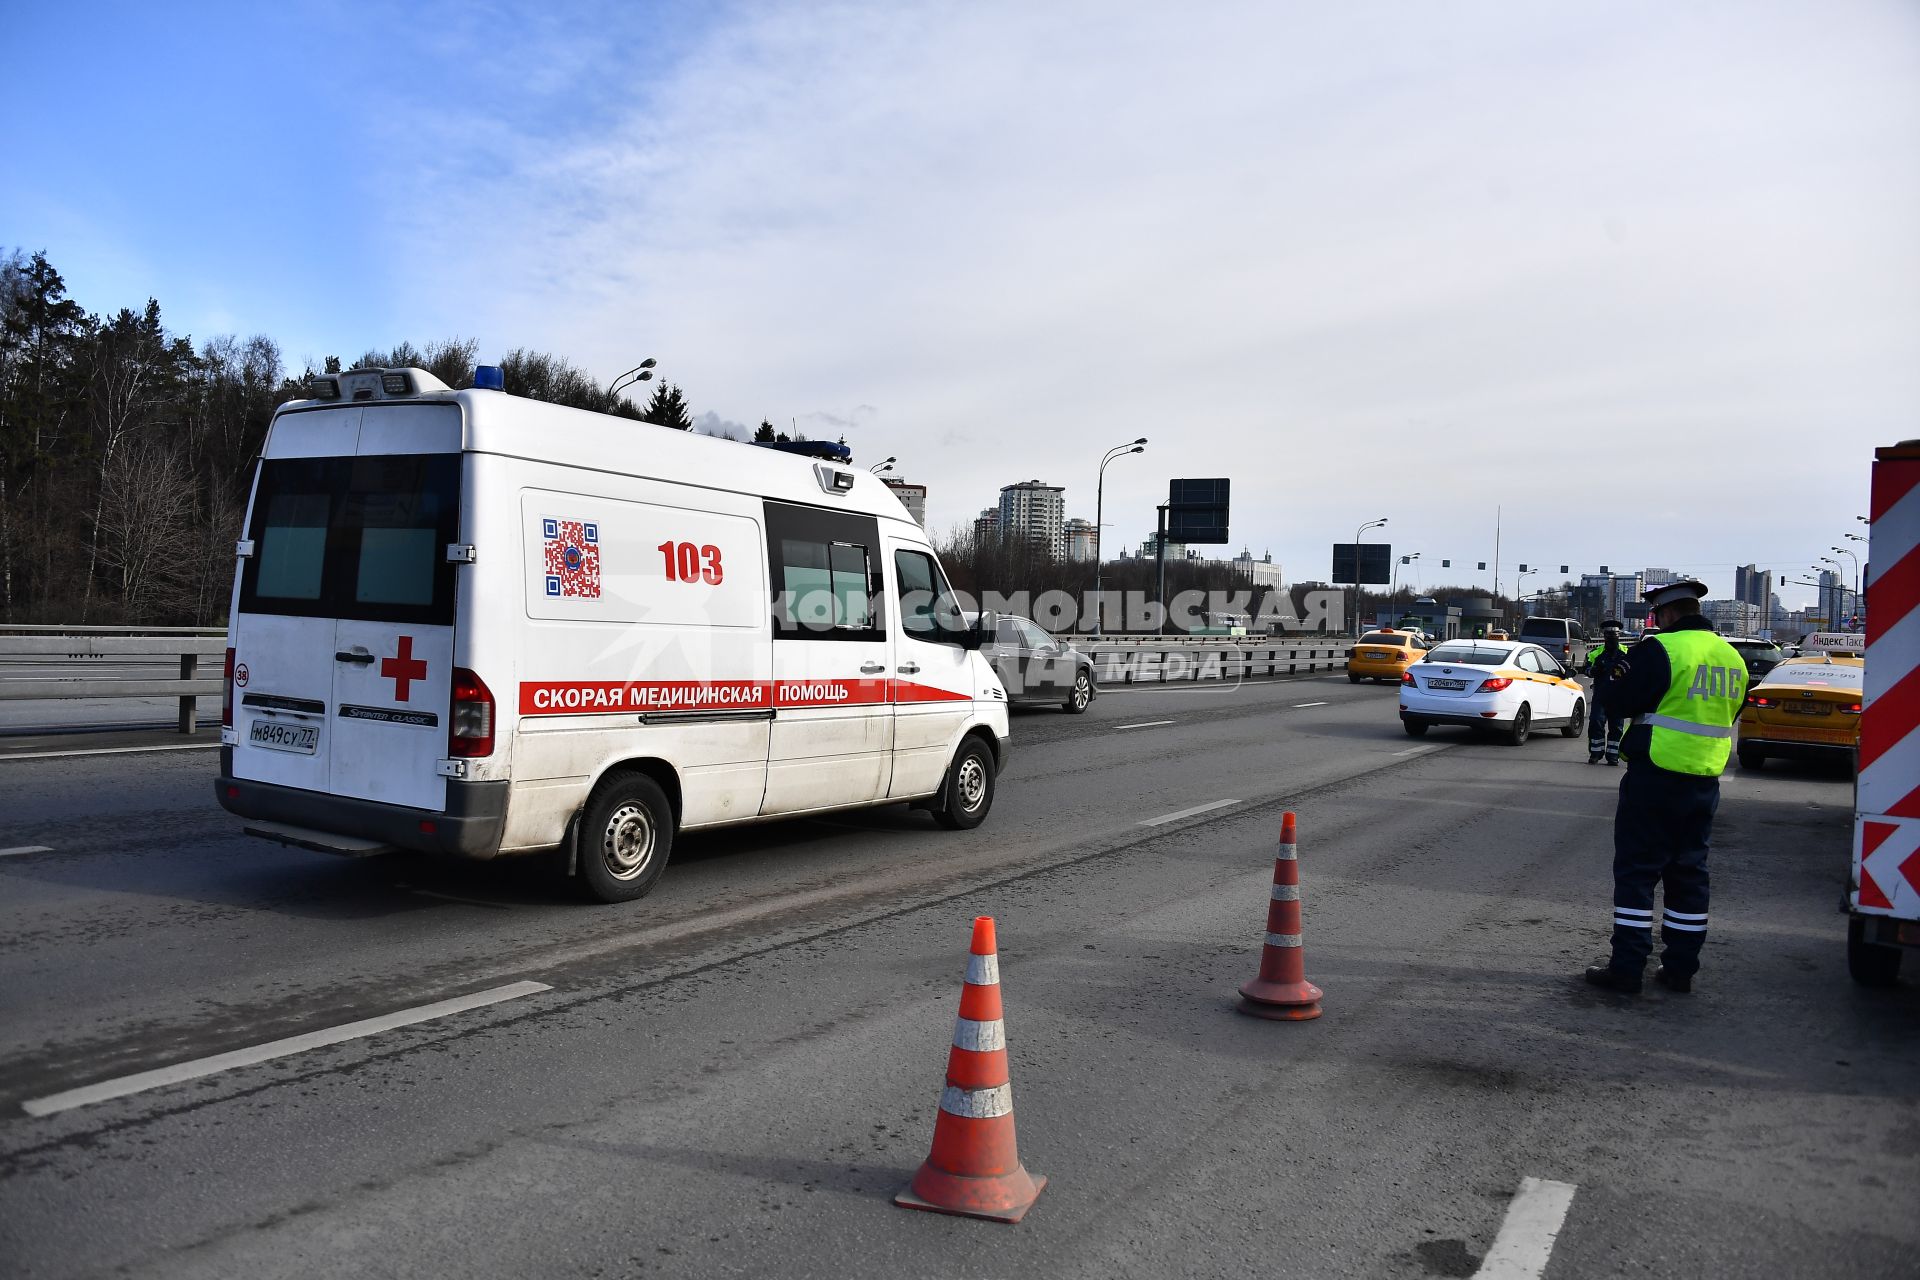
x,y
1082,692
1522,725
968,792
626,834
1578,721
1870,965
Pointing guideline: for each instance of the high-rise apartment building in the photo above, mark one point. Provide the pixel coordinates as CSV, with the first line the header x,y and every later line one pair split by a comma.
x,y
1082,544
1753,586
1035,511
912,496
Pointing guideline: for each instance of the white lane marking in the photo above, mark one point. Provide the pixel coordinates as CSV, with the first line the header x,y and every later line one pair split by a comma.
x,y
1302,706
140,1082
113,751
1145,724
1525,1242
1165,818
1416,751
25,848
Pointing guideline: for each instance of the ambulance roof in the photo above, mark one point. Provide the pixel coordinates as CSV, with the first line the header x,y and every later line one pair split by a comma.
x,y
497,422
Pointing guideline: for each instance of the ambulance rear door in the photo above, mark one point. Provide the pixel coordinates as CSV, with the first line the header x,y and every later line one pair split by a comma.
x,y
343,632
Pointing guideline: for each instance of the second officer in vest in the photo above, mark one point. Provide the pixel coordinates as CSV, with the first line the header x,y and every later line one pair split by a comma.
x,y
1681,692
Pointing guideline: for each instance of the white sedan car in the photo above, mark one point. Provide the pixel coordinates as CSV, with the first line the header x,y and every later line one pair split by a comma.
x,y
1508,686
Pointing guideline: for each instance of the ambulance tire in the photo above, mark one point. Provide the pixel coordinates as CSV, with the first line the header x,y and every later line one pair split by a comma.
x,y
967,794
625,837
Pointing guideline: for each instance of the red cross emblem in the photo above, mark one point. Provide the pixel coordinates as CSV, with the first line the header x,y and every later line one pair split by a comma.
x,y
403,669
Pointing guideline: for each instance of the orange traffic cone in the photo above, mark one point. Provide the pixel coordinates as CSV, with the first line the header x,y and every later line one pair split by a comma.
x,y
1282,991
975,1170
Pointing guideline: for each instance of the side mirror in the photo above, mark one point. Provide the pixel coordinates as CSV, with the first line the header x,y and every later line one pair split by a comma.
x,y
985,627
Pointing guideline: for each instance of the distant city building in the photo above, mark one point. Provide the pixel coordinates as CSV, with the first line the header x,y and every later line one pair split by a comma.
x,y
986,525
1656,577
1082,542
1837,603
1752,585
1259,573
1612,595
1735,617
912,496
1035,511
1149,548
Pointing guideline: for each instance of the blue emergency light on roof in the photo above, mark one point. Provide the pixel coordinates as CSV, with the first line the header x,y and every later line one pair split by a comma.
x,y
826,450
489,377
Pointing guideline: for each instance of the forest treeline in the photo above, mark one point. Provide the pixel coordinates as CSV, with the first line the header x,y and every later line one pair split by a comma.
x,y
126,451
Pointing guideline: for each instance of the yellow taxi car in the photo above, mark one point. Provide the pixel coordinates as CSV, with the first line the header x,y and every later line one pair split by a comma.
x,y
1384,655
1803,707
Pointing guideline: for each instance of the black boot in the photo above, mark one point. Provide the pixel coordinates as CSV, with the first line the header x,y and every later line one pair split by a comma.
x,y
1673,981
1605,975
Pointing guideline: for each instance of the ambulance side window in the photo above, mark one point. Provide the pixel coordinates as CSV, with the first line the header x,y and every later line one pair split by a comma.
x,y
927,609
825,579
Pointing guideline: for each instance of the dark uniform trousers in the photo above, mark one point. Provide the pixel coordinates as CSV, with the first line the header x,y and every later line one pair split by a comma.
x,y
1604,726
1660,834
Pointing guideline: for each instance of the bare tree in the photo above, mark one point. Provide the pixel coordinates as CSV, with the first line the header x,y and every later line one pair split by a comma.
x,y
148,529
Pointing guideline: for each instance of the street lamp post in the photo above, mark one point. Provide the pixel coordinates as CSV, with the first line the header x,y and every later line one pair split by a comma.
x,y
1393,592
1099,513
639,373
1371,524
880,467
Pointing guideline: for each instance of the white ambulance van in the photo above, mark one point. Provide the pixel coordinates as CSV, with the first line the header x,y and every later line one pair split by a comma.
x,y
478,624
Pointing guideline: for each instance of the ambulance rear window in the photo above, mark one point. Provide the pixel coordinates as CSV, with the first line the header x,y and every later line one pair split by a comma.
x,y
361,538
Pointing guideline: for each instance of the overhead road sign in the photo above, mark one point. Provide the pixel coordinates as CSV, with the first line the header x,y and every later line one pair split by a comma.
x,y
1374,567
1197,510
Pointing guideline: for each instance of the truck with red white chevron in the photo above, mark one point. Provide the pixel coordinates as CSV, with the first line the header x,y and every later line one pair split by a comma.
x,y
1883,892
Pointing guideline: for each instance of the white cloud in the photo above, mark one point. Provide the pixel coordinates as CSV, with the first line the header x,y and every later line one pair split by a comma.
x,y
1601,266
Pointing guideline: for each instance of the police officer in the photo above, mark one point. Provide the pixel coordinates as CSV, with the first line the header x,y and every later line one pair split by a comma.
x,y
1682,690
1607,663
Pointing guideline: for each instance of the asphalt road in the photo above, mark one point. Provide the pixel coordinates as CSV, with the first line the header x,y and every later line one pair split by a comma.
x,y
735,1075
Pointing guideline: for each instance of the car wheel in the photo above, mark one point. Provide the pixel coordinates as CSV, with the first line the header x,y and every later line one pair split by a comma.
x,y
1571,729
1522,725
1352,678
1415,728
1751,757
1081,693
967,793
625,837
1868,964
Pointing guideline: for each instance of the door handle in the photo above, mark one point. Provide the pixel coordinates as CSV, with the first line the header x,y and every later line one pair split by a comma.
x,y
360,656
910,669
872,668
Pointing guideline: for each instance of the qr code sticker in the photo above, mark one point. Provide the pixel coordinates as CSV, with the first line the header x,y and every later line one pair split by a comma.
x,y
573,558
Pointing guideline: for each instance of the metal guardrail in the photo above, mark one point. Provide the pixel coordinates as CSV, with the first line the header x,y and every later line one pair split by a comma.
x,y
76,648
1162,659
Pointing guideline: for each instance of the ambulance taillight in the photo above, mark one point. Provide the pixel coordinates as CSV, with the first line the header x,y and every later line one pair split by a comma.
x,y
226,694
470,727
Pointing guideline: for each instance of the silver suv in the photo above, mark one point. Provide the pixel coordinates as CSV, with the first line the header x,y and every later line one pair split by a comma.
x,y
1561,637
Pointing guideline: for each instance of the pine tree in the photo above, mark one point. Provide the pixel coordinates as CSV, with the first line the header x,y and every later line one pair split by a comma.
x,y
765,434
668,408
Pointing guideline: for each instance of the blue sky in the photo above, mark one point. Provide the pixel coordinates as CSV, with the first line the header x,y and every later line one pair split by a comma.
x,y
1646,276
